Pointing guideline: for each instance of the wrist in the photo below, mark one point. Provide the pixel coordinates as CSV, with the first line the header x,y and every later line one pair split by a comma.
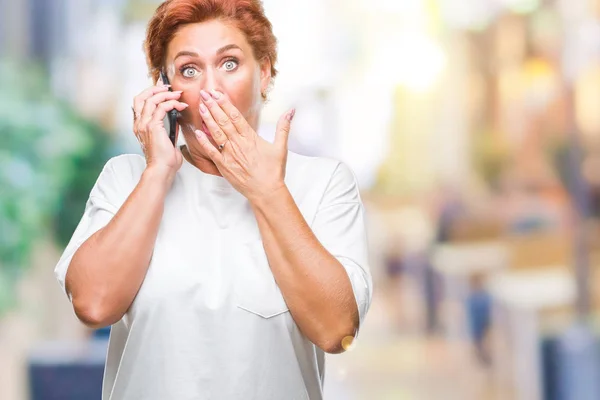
x,y
268,198
159,175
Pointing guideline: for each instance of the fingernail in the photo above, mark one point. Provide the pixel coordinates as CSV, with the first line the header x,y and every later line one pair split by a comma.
x,y
216,95
178,91
201,135
291,114
184,104
204,95
203,108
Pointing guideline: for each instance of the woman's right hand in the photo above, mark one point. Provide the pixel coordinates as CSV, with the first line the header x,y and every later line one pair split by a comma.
x,y
150,108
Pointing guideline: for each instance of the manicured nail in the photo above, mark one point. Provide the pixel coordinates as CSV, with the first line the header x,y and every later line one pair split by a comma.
x,y
204,95
199,134
186,105
291,114
178,91
203,108
216,95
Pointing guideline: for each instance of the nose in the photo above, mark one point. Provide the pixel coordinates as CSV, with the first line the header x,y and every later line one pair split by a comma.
x,y
211,81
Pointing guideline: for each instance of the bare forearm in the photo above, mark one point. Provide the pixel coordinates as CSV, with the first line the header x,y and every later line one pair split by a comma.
x,y
107,271
314,284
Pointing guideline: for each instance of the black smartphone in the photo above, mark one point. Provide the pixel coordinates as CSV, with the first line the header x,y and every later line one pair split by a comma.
x,y
171,118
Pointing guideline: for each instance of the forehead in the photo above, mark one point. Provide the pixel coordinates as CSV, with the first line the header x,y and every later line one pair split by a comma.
x,y
205,38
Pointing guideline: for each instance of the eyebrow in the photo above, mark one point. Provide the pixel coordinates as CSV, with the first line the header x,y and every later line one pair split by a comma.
x,y
186,53
228,47
220,51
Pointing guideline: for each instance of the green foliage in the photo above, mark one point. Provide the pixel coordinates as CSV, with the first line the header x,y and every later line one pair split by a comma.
x,y
49,160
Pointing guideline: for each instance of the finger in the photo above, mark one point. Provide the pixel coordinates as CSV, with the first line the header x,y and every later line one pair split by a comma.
x,y
223,122
208,147
282,132
140,99
153,102
163,108
213,128
160,97
236,118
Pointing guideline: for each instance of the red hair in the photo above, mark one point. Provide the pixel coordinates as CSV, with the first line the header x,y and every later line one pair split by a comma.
x,y
246,15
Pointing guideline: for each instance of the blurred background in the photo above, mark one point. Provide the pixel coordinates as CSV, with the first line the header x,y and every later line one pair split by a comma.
x,y
473,127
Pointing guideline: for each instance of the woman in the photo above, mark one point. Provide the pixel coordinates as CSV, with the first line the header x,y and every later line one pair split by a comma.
x,y
226,267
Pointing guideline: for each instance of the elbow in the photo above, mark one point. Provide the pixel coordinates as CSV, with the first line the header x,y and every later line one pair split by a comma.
x,y
94,315
332,347
92,305
340,340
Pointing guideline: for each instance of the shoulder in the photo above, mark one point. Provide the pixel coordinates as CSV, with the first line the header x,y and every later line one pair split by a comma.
x,y
313,168
128,165
124,168
322,173
119,177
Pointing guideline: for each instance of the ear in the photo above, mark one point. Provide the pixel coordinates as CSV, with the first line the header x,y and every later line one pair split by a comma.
x,y
265,74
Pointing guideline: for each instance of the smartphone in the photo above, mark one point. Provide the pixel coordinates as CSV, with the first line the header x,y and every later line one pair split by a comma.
x,y
171,117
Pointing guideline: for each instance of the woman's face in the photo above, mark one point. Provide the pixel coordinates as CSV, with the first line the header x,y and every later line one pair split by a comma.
x,y
214,55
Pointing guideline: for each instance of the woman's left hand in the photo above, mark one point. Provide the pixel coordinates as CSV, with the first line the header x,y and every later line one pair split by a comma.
x,y
253,166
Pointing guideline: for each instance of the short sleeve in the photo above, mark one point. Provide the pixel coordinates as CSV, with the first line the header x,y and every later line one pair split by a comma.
x,y
339,225
103,203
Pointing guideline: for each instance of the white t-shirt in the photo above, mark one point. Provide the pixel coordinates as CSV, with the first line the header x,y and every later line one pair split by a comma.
x,y
209,321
